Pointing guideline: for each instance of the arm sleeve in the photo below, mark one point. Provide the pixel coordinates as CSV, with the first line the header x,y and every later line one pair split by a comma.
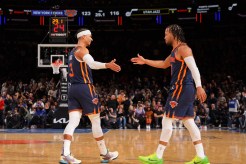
x,y
92,63
190,62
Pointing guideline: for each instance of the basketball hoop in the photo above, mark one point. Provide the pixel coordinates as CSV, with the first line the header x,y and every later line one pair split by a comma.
x,y
56,66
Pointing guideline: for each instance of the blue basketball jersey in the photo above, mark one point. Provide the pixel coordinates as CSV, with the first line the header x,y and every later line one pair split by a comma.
x,y
180,74
79,72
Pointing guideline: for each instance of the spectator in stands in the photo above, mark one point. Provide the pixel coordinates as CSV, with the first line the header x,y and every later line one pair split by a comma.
x,y
121,119
127,104
39,117
213,114
233,111
138,97
244,96
8,103
13,119
204,115
52,92
50,115
158,115
242,119
212,99
221,99
112,118
112,102
149,116
1,111
121,97
23,112
139,114
223,115
104,115
197,119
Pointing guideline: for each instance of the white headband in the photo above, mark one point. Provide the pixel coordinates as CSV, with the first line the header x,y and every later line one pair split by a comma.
x,y
82,33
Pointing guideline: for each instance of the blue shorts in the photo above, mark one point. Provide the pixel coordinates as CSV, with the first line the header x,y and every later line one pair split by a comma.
x,y
81,96
180,102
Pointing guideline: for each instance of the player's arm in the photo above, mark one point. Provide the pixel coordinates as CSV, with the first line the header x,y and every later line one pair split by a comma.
x,y
84,55
153,63
186,53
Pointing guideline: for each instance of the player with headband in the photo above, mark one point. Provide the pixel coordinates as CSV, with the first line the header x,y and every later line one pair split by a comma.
x,y
82,97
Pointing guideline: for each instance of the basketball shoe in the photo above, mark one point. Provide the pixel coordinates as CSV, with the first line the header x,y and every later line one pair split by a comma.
x,y
69,159
151,159
109,156
198,160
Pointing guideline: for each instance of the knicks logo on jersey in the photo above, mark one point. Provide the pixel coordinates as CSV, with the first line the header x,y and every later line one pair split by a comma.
x,y
95,101
173,104
172,59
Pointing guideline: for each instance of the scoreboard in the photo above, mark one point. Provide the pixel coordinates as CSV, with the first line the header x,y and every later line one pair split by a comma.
x,y
58,20
58,27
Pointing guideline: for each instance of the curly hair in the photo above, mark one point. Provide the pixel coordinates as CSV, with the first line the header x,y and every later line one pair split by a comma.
x,y
177,32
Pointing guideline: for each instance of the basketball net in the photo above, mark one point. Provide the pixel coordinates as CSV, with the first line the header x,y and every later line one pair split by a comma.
x,y
56,66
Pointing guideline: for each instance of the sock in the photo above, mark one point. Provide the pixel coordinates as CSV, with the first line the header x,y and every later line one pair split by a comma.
x,y
199,150
66,147
160,151
102,147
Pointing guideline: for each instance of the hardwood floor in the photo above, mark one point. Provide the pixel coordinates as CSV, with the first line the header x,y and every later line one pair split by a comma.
x,y
221,146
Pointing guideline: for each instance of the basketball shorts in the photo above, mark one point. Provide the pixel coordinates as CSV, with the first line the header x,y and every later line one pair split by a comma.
x,y
180,101
83,96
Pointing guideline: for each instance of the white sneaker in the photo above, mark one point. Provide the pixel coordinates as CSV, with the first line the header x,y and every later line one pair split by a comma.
x,y
69,159
109,157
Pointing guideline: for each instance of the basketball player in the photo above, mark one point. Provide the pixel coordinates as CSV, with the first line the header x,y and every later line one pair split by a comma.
x,y
179,104
82,97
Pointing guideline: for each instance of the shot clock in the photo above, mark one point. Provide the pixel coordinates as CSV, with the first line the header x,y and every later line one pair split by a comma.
x,y
58,27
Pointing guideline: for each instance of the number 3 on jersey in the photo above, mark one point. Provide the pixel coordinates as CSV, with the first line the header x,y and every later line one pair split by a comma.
x,y
71,74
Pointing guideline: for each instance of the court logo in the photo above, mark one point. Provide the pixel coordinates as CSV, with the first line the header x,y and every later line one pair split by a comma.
x,y
173,104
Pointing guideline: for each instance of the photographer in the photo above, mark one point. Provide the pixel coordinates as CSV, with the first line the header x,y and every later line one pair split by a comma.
x,y
13,119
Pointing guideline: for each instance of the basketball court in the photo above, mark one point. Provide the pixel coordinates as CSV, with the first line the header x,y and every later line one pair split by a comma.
x,y
44,146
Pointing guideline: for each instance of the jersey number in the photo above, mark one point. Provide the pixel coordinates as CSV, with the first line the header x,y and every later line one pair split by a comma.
x,y
71,74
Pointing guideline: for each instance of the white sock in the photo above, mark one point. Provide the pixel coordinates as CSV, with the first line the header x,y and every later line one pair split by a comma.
x,y
199,150
102,147
66,147
160,150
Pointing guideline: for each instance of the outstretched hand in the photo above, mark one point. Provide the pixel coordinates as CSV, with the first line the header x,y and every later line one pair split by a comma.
x,y
113,66
138,60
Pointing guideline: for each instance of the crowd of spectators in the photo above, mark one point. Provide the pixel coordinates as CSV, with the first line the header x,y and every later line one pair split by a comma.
x,y
138,103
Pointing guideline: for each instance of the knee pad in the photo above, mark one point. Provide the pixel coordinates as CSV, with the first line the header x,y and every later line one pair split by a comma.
x,y
96,125
167,129
193,129
74,119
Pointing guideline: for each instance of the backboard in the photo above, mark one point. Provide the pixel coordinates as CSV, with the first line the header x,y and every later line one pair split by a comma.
x,y
49,53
